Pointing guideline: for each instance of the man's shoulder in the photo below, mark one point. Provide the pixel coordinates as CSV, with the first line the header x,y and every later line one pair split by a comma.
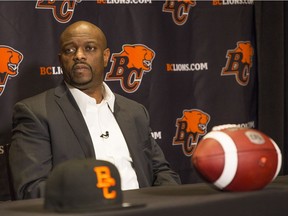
x,y
128,105
40,97
124,100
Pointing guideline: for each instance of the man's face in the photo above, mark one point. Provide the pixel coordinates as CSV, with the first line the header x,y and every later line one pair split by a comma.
x,y
83,58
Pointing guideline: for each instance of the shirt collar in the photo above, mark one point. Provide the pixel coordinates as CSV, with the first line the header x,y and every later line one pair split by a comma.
x,y
82,99
108,97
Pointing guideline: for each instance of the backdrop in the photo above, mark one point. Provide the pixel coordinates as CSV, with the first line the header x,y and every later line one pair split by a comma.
x,y
191,63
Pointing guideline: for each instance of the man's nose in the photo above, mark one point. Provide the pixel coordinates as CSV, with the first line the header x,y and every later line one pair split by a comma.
x,y
79,55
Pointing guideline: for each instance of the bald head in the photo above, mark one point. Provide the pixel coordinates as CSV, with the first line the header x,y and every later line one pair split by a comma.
x,y
81,28
83,57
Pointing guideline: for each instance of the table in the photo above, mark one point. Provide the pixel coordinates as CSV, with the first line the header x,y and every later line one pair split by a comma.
x,y
191,199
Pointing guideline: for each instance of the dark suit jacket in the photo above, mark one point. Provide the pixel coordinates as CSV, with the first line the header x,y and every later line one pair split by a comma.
x,y
49,129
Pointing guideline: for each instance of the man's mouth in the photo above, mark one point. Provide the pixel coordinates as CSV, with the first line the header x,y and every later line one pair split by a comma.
x,y
80,67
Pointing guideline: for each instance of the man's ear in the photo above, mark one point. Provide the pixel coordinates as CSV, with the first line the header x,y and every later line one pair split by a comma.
x,y
106,55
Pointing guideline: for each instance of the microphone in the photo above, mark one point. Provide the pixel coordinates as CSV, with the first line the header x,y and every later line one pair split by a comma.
x,y
105,136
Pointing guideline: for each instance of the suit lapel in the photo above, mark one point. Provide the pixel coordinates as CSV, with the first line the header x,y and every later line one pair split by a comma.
x,y
74,116
129,131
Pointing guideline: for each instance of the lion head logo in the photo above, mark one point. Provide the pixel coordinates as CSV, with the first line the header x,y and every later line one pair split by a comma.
x,y
140,57
129,65
247,51
196,121
239,62
190,127
10,60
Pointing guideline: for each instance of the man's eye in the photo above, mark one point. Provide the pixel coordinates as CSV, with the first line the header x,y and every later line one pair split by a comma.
x,y
90,48
69,50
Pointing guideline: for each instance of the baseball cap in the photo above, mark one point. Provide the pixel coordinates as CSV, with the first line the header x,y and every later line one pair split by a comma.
x,y
84,185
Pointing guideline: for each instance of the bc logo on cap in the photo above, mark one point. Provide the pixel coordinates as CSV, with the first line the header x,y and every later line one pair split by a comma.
x,y
105,181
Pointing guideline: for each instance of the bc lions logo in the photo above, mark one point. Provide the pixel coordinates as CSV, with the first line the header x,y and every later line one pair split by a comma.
x,y
129,65
9,64
239,62
190,127
62,10
179,9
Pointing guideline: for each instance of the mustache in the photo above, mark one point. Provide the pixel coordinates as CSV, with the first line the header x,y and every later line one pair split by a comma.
x,y
81,63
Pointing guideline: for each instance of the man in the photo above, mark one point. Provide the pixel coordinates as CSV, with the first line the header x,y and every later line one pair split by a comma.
x,y
82,118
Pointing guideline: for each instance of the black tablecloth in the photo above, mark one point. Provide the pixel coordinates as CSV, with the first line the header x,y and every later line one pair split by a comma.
x,y
192,199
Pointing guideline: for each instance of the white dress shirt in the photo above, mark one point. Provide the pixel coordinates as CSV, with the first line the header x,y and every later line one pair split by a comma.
x,y
108,140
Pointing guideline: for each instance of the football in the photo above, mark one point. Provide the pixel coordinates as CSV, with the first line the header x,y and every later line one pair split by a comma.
x,y
237,159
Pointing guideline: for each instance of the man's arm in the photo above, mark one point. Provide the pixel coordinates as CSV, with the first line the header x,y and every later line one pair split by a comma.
x,y
163,174
30,151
